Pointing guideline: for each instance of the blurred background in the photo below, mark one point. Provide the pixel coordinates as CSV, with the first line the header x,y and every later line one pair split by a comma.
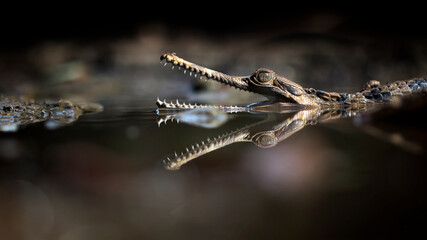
x,y
101,177
109,52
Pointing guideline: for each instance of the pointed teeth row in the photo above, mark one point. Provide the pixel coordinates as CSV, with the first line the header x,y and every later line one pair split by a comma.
x,y
183,106
197,72
178,105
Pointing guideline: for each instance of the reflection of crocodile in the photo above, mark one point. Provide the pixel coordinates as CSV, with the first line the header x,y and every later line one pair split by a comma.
x,y
265,134
15,112
279,89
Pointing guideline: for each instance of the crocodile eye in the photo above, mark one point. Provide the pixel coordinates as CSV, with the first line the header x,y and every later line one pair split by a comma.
x,y
265,75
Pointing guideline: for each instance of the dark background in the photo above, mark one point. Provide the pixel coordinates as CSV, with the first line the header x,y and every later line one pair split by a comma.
x,y
25,26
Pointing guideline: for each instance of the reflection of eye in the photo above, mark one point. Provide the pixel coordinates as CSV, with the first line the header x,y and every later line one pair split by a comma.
x,y
265,140
264,75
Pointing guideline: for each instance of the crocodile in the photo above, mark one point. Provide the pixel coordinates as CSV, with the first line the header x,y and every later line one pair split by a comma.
x,y
277,88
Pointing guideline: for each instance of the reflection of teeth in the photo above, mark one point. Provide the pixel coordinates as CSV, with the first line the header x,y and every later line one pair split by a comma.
x,y
176,160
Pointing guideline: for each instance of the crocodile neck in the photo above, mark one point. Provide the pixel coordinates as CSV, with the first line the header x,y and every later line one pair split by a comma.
x,y
372,92
277,88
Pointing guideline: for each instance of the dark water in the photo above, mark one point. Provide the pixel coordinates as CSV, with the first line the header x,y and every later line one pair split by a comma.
x,y
102,177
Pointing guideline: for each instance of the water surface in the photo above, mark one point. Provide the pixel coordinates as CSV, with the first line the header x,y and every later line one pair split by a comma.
x,y
104,175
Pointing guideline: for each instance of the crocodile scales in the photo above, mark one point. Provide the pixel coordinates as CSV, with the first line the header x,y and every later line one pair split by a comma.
x,y
279,89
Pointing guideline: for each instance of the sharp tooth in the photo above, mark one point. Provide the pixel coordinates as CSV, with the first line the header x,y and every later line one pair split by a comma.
x,y
191,73
185,71
165,64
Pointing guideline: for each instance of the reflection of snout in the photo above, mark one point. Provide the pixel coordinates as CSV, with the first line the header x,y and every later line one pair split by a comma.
x,y
265,140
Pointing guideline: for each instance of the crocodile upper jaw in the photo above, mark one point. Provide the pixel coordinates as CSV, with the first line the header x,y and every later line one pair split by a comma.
x,y
281,90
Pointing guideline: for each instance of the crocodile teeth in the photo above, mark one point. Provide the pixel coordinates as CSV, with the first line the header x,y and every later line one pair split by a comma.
x,y
183,105
206,73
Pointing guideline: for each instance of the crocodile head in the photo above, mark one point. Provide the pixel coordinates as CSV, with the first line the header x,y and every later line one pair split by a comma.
x,y
262,81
